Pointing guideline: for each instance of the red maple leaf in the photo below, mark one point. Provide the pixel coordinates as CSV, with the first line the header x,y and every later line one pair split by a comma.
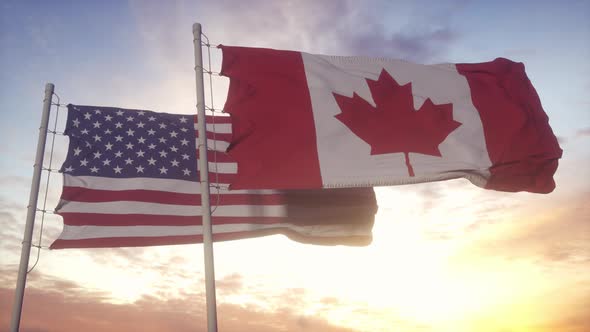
x,y
394,125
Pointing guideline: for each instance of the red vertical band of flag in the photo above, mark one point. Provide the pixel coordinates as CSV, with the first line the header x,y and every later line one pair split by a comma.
x,y
279,81
523,149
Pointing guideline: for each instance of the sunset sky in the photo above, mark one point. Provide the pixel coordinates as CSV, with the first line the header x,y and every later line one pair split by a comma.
x,y
446,256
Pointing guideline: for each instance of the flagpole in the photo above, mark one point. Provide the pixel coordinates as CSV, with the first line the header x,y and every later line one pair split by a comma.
x,y
31,212
204,174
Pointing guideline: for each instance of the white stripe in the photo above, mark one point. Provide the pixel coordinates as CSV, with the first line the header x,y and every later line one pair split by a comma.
x,y
132,207
220,128
214,145
93,232
105,183
222,168
177,186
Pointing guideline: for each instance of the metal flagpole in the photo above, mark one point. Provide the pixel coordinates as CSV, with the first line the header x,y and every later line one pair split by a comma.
x,y
204,174
31,212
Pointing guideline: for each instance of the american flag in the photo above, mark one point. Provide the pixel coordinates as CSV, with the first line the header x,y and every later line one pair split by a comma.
x,y
130,178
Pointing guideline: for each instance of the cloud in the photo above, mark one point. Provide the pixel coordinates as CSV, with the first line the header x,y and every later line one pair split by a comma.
x,y
230,284
65,306
557,232
418,47
11,233
341,27
333,27
585,132
12,217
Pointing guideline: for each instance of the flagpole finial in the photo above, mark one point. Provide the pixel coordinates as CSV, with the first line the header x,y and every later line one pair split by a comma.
x,y
196,27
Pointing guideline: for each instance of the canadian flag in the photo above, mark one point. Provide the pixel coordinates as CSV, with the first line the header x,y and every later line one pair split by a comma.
x,y
301,120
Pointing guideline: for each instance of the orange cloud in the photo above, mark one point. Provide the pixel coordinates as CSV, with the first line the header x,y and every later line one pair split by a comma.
x,y
66,307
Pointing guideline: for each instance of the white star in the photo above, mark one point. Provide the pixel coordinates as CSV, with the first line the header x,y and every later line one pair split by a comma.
x,y
106,162
163,170
173,148
97,111
151,146
76,122
162,140
128,161
77,151
184,141
94,169
108,118
183,120
163,154
186,171
184,130
97,138
140,153
162,125
119,138
117,169
119,112
139,169
97,154
118,125
87,116
141,112
88,145
152,118
174,162
84,162
97,124
140,125
151,161
69,169
185,156
141,140
118,154
129,118
151,132
130,132
84,131
108,146
108,132
129,145
173,134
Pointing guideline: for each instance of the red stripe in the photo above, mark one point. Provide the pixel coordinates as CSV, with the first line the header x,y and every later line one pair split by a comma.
x,y
99,219
520,142
274,138
78,194
221,178
210,119
186,239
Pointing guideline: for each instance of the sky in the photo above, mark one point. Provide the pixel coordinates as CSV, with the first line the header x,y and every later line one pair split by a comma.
x,y
446,256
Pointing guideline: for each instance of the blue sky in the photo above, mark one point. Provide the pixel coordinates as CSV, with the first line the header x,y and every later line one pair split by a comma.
x,y
496,255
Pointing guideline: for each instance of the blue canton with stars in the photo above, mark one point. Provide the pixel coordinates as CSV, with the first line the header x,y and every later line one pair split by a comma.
x,y
119,143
